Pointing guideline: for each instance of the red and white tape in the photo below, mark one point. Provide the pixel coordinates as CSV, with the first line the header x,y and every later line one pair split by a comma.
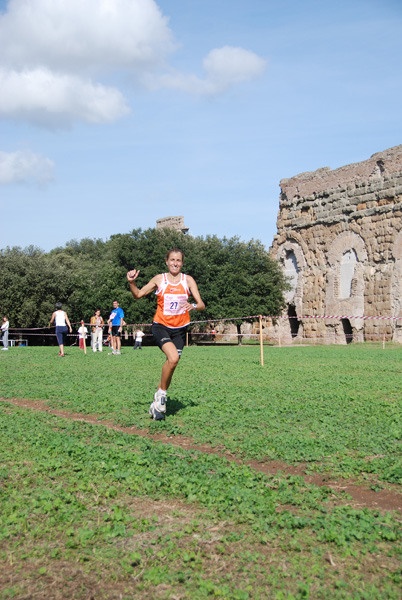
x,y
276,318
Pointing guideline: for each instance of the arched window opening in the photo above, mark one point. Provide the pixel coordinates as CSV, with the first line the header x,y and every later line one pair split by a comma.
x,y
348,264
347,330
293,321
292,273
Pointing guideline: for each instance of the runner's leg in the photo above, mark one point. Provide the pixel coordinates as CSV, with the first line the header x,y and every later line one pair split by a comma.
x,y
172,359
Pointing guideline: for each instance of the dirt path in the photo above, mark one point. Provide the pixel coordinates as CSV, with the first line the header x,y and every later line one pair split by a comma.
x,y
361,495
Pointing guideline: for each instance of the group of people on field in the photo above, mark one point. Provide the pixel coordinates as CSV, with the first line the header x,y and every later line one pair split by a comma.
x,y
115,323
173,290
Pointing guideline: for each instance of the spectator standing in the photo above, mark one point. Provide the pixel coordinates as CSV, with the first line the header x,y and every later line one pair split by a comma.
x,y
97,324
138,339
4,332
82,333
116,321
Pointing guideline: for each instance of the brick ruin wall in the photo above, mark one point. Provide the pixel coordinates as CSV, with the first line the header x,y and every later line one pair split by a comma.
x,y
327,218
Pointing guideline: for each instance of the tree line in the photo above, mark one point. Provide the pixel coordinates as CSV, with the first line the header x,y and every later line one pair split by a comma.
x,y
235,278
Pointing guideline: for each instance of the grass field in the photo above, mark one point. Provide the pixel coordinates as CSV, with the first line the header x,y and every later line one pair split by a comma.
x,y
91,511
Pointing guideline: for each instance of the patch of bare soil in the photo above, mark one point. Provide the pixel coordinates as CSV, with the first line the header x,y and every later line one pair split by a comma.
x,y
362,496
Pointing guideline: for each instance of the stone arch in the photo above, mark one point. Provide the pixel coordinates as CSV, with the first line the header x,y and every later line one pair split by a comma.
x,y
338,303
292,259
294,237
347,241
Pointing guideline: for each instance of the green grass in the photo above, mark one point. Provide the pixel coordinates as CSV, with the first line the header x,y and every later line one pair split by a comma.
x,y
89,510
337,408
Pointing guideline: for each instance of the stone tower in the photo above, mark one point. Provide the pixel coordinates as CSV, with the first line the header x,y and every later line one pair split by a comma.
x,y
172,223
339,241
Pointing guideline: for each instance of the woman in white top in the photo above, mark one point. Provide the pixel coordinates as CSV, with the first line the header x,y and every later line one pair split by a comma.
x,y
62,321
4,330
97,323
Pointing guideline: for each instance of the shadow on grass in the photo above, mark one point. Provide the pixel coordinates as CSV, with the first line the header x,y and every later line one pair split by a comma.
x,y
174,405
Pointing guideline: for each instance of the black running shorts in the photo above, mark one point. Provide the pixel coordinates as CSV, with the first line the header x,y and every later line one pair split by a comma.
x,y
164,334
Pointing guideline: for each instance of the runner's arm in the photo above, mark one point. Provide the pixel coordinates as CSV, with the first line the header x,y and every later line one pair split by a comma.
x,y
192,286
148,287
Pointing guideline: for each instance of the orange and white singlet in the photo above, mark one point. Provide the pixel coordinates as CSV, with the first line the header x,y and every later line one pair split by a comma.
x,y
171,297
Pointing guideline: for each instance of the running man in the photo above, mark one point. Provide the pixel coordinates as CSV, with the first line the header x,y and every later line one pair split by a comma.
x,y
171,318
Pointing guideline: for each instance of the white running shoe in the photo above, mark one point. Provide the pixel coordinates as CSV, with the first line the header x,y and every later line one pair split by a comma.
x,y
156,414
157,409
160,401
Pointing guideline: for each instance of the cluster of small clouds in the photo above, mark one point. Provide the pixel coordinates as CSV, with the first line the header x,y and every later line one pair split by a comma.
x,y
55,54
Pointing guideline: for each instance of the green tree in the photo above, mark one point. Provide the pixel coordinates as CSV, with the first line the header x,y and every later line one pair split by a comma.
x,y
236,279
29,286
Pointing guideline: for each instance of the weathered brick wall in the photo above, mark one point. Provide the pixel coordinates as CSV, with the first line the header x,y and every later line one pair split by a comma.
x,y
328,217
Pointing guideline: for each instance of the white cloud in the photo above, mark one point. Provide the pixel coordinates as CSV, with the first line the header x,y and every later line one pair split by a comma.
x,y
25,166
52,49
57,100
227,66
53,52
224,68
84,34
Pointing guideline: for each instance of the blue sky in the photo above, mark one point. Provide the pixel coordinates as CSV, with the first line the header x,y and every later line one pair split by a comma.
x,y
115,113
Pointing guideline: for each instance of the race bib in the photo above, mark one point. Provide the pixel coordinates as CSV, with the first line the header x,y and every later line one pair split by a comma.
x,y
173,304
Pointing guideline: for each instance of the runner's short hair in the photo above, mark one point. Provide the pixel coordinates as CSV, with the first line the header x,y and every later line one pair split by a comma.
x,y
174,250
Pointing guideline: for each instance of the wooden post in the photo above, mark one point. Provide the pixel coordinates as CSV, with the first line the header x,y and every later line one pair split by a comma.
x,y
186,339
261,344
83,336
383,342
